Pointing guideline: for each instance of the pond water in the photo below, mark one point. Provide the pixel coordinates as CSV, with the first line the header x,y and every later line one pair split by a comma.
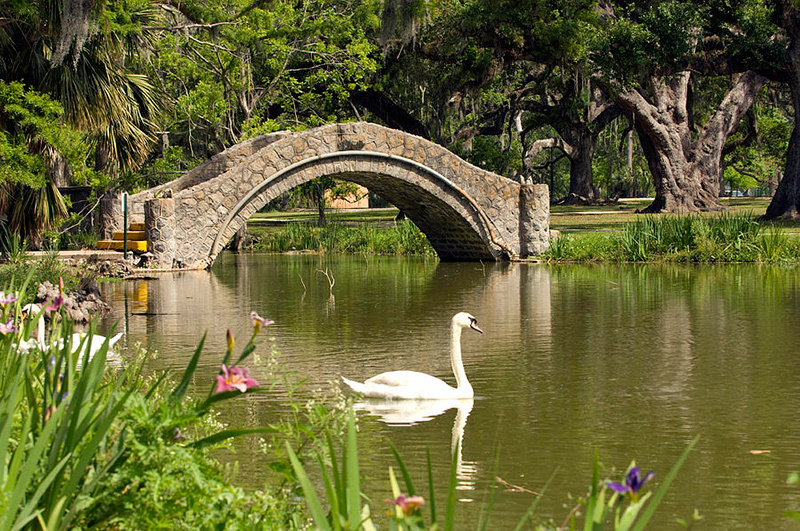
x,y
630,361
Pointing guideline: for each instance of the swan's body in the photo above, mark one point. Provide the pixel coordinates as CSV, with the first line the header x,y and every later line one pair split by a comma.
x,y
412,385
80,341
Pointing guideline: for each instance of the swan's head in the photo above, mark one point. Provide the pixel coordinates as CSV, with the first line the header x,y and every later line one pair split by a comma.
x,y
30,310
465,320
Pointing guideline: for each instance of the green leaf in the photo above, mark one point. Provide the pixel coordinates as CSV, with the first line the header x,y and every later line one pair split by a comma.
x,y
333,497
450,514
353,480
533,505
493,490
403,470
431,492
338,484
248,349
180,392
317,511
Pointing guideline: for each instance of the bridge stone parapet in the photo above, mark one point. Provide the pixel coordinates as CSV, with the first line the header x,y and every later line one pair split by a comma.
x,y
466,212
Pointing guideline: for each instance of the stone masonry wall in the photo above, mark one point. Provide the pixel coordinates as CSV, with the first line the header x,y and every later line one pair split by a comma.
x,y
159,225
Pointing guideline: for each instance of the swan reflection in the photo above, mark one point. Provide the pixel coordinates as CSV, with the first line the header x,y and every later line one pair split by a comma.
x,y
411,412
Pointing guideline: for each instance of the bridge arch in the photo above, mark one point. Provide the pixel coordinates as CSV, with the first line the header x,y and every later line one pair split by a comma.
x,y
467,213
456,226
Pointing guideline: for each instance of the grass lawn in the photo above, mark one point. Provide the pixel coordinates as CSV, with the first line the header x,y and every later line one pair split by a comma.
x,y
613,216
350,216
566,218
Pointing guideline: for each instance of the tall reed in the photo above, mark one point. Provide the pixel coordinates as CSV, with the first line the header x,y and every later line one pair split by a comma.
x,y
401,238
725,237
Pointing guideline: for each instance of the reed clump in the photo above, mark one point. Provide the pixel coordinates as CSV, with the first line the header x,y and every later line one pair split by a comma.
x,y
401,238
726,237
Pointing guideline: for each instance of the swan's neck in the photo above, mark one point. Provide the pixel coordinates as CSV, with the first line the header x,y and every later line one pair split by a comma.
x,y
455,358
40,332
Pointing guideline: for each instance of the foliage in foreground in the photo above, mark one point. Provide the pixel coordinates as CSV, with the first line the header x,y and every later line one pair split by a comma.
x,y
618,505
20,265
690,238
86,445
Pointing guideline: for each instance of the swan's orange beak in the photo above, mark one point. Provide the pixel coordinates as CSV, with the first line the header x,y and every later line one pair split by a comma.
x,y
474,326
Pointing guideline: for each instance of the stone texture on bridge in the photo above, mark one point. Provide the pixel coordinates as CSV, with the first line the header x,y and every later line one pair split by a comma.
x,y
467,213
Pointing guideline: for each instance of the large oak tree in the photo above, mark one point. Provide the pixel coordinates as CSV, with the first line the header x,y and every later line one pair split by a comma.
x,y
647,56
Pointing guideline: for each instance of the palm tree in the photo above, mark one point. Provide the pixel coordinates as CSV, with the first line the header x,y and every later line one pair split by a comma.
x,y
76,51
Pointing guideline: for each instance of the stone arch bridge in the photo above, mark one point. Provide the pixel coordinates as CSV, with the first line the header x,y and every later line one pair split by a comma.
x,y
467,213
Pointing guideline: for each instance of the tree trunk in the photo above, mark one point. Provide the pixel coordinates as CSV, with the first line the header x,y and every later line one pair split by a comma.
x,y
686,169
786,201
581,179
319,192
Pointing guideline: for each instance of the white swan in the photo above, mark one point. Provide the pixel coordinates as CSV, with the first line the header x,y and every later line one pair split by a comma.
x,y
79,339
412,385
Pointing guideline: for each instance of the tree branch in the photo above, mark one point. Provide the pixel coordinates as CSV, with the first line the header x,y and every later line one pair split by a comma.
x,y
539,145
389,112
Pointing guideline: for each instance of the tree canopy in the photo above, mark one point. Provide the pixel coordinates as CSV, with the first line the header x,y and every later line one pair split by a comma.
x,y
599,98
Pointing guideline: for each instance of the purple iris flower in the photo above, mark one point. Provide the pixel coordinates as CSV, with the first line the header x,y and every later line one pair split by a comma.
x,y
5,300
632,483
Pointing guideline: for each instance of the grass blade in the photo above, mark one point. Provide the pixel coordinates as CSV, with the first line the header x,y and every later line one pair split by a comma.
x,y
317,511
183,386
535,504
487,510
662,490
353,481
450,514
403,470
227,434
431,492
337,474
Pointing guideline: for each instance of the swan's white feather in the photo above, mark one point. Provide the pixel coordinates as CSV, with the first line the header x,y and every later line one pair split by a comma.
x,y
412,385
406,385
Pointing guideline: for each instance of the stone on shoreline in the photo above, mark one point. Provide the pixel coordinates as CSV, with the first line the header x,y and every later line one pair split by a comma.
x,y
79,305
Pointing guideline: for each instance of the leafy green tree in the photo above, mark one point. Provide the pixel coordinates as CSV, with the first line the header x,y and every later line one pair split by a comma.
x,y
80,54
236,69
649,53
786,201
507,70
34,137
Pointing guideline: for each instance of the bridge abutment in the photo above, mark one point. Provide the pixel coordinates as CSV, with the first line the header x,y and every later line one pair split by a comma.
x,y
534,219
159,226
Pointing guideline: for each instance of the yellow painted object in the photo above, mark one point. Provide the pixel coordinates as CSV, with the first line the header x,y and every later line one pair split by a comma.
x,y
117,245
139,302
132,235
137,226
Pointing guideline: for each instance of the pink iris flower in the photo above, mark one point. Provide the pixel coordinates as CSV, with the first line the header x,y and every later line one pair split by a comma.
x,y
407,504
259,322
235,378
56,303
8,327
5,300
